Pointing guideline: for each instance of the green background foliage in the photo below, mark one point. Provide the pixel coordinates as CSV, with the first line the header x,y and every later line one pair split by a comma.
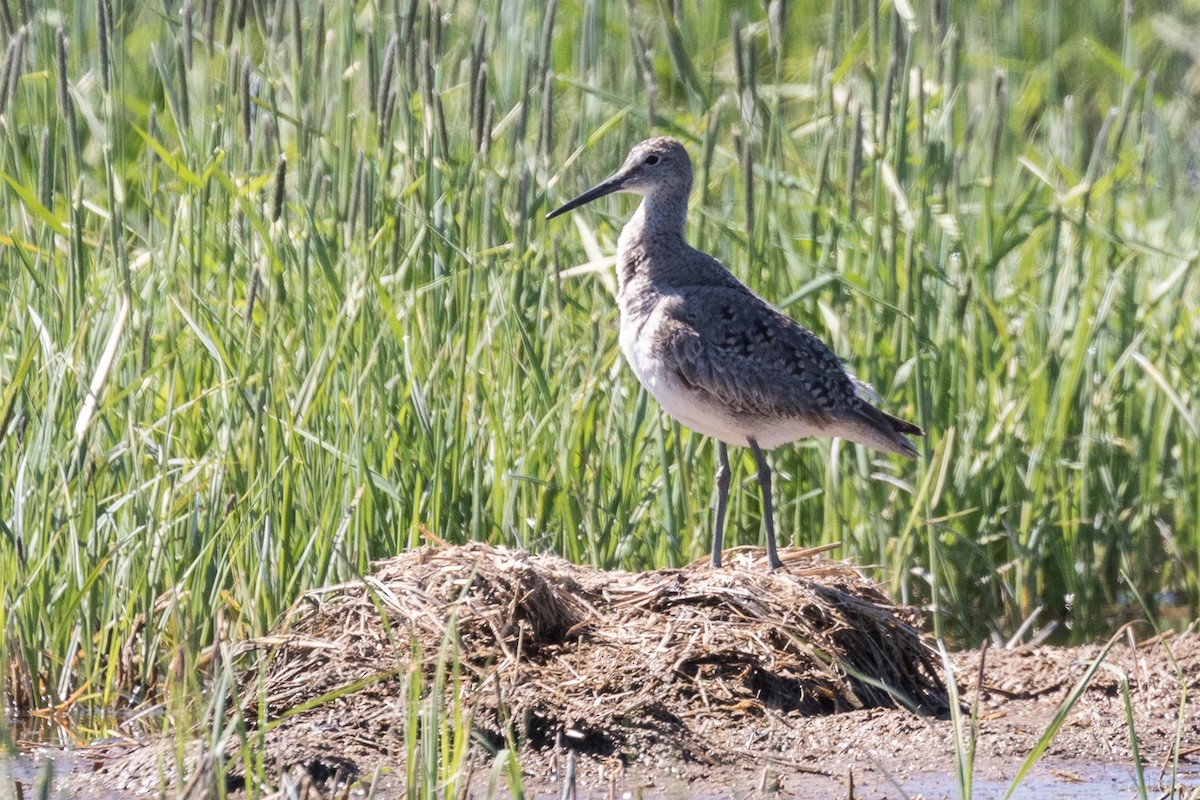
x,y
280,301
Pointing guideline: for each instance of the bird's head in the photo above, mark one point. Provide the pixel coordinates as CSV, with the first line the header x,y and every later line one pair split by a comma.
x,y
655,167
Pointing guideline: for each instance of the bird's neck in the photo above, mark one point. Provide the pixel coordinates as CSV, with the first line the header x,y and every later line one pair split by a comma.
x,y
651,244
662,216
656,227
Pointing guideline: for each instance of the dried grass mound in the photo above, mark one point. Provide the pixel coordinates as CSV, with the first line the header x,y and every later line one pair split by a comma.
x,y
615,662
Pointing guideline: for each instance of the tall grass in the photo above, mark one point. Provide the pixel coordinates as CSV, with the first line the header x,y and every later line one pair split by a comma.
x,y
282,302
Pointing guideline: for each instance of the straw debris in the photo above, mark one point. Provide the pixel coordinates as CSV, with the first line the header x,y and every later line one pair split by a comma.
x,y
544,651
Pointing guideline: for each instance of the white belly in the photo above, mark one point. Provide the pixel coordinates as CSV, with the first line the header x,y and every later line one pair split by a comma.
x,y
698,412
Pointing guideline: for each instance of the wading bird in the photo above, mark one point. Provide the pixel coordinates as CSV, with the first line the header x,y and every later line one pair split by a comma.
x,y
719,358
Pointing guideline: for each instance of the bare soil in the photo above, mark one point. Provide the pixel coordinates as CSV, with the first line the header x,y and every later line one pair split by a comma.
x,y
695,682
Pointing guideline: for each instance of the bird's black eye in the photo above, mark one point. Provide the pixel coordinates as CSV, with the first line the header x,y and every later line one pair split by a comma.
x,y
650,160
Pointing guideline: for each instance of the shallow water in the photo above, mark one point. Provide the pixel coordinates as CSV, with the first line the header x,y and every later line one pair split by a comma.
x,y
50,748
26,770
1060,781
84,725
1069,781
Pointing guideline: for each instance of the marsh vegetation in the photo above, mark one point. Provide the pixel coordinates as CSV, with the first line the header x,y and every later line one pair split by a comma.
x,y
280,302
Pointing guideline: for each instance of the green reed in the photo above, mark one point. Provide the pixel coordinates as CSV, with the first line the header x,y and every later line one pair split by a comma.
x,y
282,302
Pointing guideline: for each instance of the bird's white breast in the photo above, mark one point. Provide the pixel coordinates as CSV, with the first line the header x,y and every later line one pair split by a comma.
x,y
694,410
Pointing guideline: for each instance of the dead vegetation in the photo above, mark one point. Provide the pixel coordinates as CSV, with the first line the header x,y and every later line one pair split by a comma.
x,y
619,664
664,684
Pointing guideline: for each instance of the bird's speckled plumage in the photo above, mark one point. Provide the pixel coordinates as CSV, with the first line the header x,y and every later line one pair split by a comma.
x,y
718,357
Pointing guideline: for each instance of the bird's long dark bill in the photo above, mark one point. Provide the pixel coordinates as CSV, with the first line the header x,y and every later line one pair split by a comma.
x,y
609,186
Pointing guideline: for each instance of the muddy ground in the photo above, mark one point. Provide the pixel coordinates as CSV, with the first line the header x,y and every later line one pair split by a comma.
x,y
677,683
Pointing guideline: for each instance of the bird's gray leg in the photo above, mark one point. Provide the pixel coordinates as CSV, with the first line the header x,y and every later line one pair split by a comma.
x,y
722,501
764,480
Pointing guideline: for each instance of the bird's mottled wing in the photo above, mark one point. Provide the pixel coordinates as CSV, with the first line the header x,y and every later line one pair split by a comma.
x,y
751,357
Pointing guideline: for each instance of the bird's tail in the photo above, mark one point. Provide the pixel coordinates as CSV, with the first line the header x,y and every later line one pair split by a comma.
x,y
900,427
903,425
888,433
